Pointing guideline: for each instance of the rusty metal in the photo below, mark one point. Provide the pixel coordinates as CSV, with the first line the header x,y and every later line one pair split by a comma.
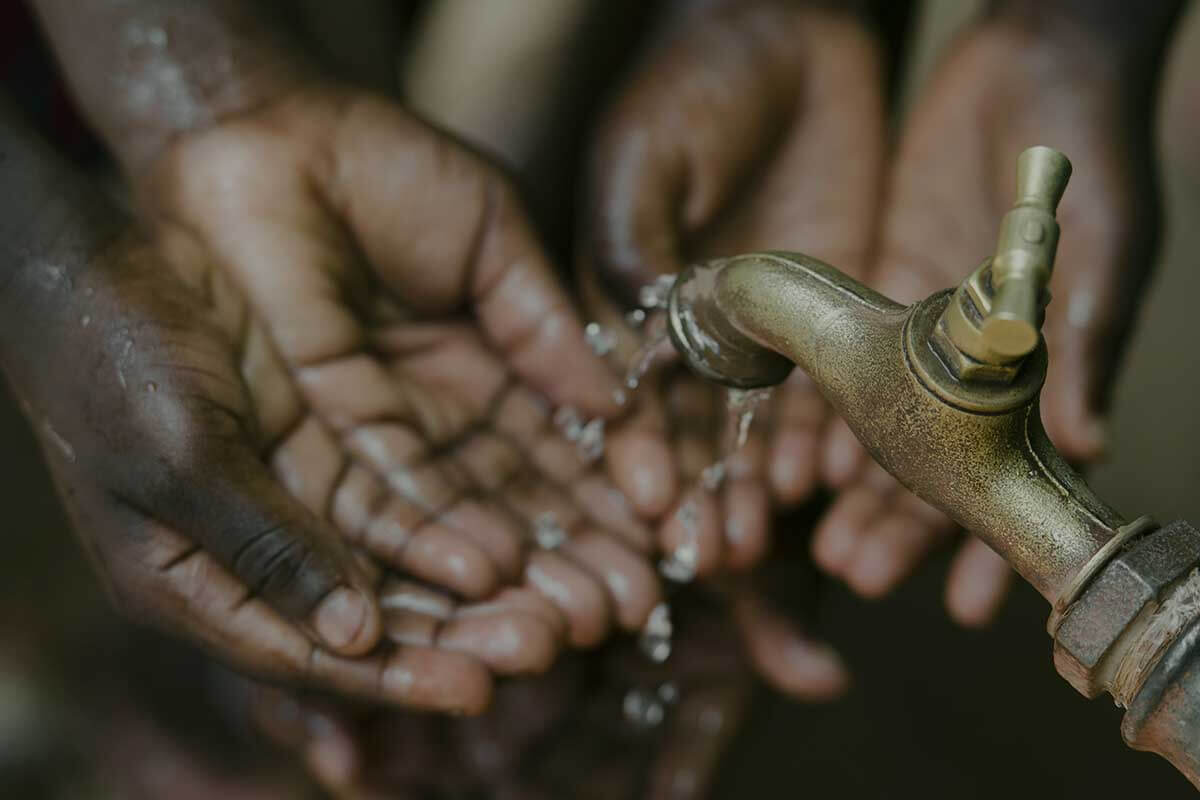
x,y
944,395
976,451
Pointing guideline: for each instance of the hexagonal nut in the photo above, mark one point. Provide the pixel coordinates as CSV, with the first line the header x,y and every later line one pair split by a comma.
x,y
961,365
1128,585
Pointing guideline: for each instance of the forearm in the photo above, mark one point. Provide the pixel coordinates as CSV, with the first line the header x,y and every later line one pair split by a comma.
x,y
1133,34
144,71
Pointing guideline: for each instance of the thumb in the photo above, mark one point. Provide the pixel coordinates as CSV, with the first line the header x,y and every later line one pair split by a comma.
x,y
222,497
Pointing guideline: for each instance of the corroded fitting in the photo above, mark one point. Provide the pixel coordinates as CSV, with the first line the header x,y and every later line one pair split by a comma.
x,y
976,451
995,317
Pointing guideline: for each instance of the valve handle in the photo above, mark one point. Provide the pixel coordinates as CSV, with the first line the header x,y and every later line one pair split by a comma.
x,y
1025,252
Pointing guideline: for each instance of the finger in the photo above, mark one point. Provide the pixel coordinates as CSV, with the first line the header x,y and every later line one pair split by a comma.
x,y
798,417
509,642
323,739
702,729
692,540
747,523
842,456
187,590
462,241
220,495
412,612
784,655
695,422
405,536
629,577
640,461
580,598
1110,222
890,548
841,529
745,498
523,599
609,508
977,584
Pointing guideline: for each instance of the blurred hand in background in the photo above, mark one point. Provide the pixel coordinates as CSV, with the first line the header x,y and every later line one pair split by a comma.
x,y
1078,78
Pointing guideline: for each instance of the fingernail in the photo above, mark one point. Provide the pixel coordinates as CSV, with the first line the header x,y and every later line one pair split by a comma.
x,y
341,616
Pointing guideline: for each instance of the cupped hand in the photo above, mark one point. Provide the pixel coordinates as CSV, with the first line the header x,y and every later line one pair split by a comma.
x,y
998,92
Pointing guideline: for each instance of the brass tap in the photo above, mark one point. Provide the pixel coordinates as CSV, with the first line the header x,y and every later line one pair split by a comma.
x,y
995,317
944,395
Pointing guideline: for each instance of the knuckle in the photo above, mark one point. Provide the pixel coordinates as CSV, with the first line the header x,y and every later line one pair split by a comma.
x,y
279,564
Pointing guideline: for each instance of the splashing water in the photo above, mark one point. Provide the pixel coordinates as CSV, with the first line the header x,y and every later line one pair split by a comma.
x,y
655,295
644,358
591,441
713,475
643,709
744,402
655,639
548,533
568,422
680,566
646,707
587,436
742,405
600,339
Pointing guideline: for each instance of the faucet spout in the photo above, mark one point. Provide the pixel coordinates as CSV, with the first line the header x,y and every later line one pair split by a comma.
x,y
976,451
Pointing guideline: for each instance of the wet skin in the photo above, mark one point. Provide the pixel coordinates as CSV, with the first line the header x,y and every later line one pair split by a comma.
x,y
563,734
758,125
394,370
761,127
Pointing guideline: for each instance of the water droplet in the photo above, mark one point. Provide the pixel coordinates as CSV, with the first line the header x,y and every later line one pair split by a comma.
x,y
601,340
151,387
680,566
568,421
668,692
85,321
643,709
744,403
636,318
62,444
643,359
619,397
88,292
713,476
591,441
548,533
655,639
655,295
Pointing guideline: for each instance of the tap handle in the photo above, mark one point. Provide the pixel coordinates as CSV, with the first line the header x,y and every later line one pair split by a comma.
x,y
1024,255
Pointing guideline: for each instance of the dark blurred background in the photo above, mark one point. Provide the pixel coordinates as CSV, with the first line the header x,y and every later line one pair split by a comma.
x,y
936,710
